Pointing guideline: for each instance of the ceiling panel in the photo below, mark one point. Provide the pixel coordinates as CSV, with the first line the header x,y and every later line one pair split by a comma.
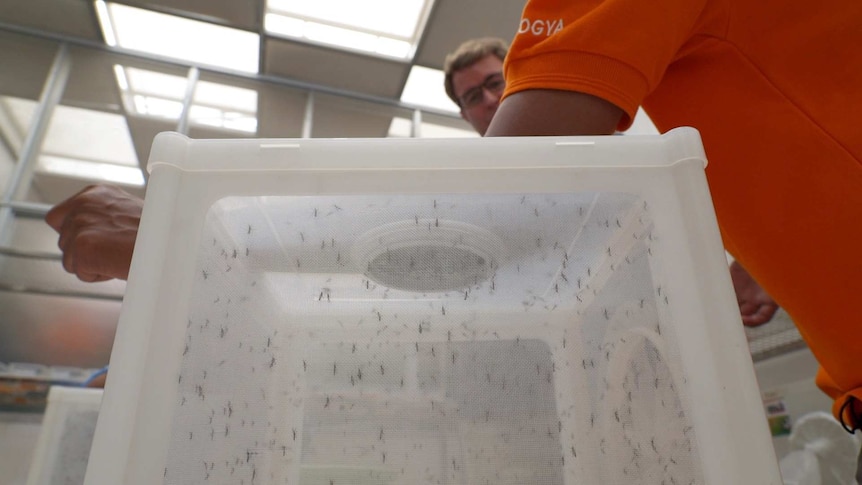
x,y
280,112
67,17
32,59
336,117
454,21
241,14
334,68
92,83
143,130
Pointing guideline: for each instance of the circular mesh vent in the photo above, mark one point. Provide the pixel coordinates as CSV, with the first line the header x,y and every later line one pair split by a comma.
x,y
429,256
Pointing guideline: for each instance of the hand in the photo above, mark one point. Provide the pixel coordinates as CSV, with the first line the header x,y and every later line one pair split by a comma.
x,y
755,305
97,227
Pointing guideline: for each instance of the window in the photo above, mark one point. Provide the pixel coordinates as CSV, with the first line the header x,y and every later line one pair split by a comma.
x,y
424,87
154,94
387,28
179,38
80,143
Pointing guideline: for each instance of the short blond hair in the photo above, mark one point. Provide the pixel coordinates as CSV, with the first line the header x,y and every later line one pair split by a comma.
x,y
468,54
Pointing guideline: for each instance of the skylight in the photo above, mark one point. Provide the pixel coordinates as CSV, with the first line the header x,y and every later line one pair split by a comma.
x,y
389,28
179,38
84,143
88,170
425,88
81,143
158,95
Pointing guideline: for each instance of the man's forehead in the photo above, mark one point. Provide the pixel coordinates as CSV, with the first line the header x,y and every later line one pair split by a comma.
x,y
489,61
477,71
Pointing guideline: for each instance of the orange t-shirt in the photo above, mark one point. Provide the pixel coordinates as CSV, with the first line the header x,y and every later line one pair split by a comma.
x,y
775,88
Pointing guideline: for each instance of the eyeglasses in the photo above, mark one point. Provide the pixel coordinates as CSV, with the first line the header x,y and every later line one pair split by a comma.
x,y
494,84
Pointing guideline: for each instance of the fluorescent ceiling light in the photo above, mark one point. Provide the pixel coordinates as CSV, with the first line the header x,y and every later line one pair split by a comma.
x,y
122,80
106,23
141,81
425,88
352,25
159,95
403,128
157,107
393,47
346,39
339,36
398,18
284,25
225,96
179,38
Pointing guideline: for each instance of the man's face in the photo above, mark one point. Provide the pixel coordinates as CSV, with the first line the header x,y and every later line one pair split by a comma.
x,y
479,87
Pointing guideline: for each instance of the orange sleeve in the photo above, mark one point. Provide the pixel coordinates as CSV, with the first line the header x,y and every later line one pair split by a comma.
x,y
617,50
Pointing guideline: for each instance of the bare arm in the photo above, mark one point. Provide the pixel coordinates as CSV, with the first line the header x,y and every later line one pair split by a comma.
x,y
549,112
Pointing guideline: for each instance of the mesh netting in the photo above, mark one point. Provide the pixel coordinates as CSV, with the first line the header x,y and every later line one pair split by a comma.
x,y
74,445
431,339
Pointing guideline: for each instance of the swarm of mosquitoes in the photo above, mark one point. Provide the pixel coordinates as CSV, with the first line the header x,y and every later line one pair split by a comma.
x,y
74,443
437,396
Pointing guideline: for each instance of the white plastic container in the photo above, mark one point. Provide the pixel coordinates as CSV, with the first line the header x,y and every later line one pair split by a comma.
x,y
524,310
65,437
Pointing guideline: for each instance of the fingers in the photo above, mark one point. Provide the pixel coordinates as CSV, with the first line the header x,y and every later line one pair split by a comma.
x,y
754,315
75,250
69,228
755,305
57,215
92,278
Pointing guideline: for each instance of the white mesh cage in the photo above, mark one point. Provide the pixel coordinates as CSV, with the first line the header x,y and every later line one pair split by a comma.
x,y
328,344
537,310
66,435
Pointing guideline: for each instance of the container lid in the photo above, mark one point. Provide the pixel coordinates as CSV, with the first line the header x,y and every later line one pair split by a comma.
x,y
179,151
